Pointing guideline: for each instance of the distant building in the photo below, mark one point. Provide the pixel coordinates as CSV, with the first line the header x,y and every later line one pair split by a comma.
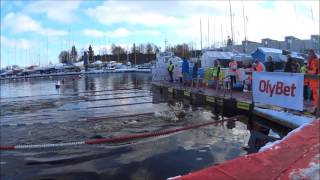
x,y
250,46
290,43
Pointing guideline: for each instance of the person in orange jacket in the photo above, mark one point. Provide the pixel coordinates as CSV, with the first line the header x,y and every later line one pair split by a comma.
x,y
258,66
313,68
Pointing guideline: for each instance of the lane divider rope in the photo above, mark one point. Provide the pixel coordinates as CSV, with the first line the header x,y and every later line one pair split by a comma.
x,y
122,138
84,96
76,93
78,120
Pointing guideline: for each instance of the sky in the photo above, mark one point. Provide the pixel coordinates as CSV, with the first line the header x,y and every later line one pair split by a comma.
x,y
35,32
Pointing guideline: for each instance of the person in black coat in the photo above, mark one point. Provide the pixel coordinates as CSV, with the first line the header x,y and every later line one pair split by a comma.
x,y
195,70
270,65
289,65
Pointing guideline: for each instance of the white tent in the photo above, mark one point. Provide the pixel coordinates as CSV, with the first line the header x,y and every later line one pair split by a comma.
x,y
208,57
160,69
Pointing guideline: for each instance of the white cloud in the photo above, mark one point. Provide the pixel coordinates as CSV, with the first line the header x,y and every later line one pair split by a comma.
x,y
62,11
146,32
19,23
93,33
112,12
18,43
119,33
273,19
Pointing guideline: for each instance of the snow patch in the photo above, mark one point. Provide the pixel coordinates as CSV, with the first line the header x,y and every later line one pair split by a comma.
x,y
172,178
286,116
312,172
271,145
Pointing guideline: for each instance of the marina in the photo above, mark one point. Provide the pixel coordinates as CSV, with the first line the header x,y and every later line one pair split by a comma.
x,y
159,90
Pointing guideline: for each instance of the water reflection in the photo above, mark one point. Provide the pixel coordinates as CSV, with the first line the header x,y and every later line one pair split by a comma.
x,y
259,136
89,83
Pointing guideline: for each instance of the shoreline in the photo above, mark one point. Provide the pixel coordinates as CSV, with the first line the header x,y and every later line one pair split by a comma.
x,y
78,73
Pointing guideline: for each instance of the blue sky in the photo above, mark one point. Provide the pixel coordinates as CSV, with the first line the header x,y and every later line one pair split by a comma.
x,y
28,27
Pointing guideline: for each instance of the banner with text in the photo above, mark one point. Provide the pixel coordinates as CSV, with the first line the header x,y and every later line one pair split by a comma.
x,y
279,89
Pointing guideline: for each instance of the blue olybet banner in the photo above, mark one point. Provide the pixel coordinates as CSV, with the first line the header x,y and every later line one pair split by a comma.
x,y
279,89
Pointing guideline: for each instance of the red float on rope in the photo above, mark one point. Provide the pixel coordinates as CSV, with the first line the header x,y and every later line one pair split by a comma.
x,y
114,139
4,148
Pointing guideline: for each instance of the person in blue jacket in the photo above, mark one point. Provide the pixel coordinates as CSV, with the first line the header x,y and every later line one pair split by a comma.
x,y
185,70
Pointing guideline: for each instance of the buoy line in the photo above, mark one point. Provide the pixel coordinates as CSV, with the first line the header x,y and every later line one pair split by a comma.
x,y
117,139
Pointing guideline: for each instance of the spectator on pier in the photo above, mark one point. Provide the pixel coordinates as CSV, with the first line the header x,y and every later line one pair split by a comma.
x,y
258,66
233,66
303,68
185,70
270,65
289,65
170,70
306,84
248,81
195,70
195,74
313,69
216,73
296,66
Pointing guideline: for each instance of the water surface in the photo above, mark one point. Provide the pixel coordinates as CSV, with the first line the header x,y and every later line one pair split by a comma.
x,y
95,106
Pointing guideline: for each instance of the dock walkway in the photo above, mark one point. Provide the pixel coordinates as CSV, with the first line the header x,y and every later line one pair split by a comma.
x,y
231,102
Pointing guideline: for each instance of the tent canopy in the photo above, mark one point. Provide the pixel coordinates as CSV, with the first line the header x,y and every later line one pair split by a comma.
x,y
218,55
277,55
208,57
262,54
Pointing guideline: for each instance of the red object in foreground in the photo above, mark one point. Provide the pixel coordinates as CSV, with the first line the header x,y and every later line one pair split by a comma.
x,y
281,161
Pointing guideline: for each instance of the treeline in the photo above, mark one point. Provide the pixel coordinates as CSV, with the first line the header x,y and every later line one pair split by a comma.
x,y
137,54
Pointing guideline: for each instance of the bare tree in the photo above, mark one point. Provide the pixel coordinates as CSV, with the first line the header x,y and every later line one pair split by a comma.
x,y
134,48
74,54
149,48
116,50
182,50
64,56
142,48
91,54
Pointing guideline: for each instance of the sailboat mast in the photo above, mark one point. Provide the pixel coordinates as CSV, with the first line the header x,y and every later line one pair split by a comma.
x,y
208,34
47,50
214,32
244,29
244,23
15,53
200,35
135,54
222,43
232,38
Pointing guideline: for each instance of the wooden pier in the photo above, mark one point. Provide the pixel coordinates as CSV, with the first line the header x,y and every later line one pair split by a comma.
x,y
230,103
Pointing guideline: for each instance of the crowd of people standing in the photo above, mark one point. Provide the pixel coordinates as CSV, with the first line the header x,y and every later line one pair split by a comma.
x,y
311,66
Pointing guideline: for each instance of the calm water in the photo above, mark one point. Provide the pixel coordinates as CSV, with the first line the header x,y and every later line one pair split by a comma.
x,y
94,106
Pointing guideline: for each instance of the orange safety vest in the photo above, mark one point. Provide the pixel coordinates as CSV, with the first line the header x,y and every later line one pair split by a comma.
x,y
313,66
259,67
313,69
